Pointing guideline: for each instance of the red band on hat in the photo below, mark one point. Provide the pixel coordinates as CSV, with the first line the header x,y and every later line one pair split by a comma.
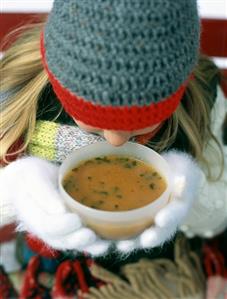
x,y
126,118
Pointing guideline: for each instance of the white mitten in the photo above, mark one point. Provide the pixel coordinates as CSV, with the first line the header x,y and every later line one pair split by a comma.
x,y
30,184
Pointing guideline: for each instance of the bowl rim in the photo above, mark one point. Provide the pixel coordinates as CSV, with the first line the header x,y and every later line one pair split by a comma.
x,y
111,215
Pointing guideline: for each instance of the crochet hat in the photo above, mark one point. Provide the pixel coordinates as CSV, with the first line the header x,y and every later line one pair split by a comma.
x,y
122,64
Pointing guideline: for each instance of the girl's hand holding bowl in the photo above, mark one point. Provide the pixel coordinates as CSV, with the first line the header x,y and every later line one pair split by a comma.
x,y
42,206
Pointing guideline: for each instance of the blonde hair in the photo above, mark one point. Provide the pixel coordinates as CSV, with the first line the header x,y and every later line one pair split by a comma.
x,y
25,78
193,117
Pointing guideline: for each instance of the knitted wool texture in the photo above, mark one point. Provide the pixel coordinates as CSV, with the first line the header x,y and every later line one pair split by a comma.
x,y
160,278
121,54
54,142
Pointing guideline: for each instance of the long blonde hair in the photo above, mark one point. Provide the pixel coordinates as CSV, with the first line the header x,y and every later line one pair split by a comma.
x,y
24,80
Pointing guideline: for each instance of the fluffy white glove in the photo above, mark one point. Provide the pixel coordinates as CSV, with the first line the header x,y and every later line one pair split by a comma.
x,y
31,185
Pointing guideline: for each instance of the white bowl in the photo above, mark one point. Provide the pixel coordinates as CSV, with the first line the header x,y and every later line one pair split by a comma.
x,y
123,224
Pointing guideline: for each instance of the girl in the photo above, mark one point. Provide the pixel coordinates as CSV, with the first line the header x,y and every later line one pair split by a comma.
x,y
119,69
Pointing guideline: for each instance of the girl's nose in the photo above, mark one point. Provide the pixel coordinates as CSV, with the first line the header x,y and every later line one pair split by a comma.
x,y
116,138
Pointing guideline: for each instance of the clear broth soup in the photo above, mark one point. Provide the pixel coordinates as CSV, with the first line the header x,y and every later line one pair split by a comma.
x,y
114,183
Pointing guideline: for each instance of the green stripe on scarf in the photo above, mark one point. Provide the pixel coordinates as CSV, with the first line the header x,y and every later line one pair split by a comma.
x,y
54,142
43,140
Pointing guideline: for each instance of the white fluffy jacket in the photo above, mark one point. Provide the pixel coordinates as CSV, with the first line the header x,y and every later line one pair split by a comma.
x,y
208,216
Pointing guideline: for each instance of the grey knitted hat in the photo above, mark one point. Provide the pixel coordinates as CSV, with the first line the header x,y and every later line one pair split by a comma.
x,y
121,64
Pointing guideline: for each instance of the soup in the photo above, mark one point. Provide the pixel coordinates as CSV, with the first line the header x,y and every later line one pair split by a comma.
x,y
114,183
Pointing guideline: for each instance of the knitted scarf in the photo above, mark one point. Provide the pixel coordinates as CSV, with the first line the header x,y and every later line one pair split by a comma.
x,y
54,142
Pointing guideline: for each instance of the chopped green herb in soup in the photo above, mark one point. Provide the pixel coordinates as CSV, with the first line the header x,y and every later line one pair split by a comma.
x,y
114,183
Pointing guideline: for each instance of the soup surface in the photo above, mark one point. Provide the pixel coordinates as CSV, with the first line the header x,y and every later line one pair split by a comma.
x,y
114,183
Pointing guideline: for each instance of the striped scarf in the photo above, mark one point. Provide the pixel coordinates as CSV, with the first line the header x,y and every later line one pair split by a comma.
x,y
54,142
